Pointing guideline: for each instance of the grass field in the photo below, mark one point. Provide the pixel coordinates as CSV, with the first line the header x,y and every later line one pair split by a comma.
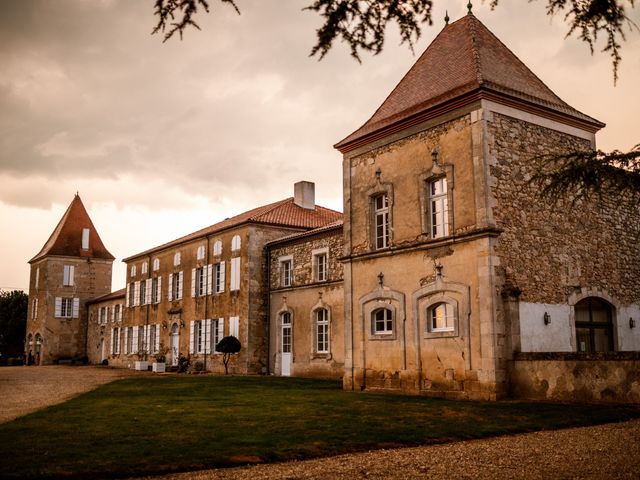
x,y
179,423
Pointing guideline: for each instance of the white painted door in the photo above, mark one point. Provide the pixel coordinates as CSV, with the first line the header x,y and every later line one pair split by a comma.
x,y
175,345
285,369
102,355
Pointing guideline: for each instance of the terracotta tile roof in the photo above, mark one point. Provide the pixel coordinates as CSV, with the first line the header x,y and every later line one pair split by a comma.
x,y
337,225
464,57
66,239
284,213
109,296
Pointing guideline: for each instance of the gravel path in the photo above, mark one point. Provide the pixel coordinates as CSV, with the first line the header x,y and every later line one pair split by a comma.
x,y
609,451
27,389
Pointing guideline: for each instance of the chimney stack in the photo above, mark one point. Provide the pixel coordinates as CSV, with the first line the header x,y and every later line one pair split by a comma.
x,y
304,195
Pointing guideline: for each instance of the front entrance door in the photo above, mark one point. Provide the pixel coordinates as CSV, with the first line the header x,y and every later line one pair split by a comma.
x,y
102,356
285,369
175,344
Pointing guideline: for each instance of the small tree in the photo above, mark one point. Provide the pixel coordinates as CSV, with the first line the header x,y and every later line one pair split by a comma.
x,y
228,346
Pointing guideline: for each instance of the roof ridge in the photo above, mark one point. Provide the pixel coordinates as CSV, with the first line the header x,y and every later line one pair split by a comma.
x,y
474,48
273,207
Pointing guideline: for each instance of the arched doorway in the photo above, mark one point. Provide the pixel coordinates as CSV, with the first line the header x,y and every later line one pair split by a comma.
x,y
594,325
38,348
175,344
29,349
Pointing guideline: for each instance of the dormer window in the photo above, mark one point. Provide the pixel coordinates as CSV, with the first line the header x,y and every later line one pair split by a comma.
x,y
85,239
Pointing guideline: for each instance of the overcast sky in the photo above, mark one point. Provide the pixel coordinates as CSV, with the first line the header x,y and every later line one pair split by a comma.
x,y
162,139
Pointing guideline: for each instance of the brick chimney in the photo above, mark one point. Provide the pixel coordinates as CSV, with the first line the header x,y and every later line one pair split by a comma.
x,y
304,195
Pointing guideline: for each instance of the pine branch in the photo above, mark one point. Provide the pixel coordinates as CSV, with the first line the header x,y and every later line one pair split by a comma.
x,y
581,174
362,24
176,15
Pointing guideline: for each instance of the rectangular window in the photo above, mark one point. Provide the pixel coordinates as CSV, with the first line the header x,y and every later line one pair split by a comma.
x,y
131,294
34,309
115,340
142,345
441,317
155,293
322,331
381,214
117,312
217,332
143,292
175,285
37,277
103,316
85,239
439,208
129,340
199,282
235,274
286,273
218,272
200,336
68,275
66,308
320,266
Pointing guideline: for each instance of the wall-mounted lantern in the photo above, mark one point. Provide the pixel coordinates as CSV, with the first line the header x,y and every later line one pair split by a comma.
x,y
547,318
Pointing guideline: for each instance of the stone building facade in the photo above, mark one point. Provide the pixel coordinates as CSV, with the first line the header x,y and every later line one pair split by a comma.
x,y
184,296
456,271
447,275
71,268
306,302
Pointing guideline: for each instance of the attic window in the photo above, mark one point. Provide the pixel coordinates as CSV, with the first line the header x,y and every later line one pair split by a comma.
x,y
85,239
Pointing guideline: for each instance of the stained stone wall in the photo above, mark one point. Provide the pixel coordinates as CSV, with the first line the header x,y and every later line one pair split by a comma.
x,y
553,251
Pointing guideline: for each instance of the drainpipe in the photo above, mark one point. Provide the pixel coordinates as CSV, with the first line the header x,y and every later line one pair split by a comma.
x,y
268,303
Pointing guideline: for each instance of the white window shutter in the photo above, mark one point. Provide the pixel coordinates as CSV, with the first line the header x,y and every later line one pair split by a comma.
x,y
207,335
209,275
136,293
113,314
193,282
157,346
148,290
71,274
191,339
234,326
180,285
126,298
170,291
159,292
113,335
222,275
126,340
235,274
76,307
134,340
58,312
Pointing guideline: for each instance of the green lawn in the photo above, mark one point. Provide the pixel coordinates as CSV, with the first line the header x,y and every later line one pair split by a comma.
x,y
177,423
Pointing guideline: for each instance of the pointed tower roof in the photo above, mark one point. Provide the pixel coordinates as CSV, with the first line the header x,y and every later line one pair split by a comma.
x,y
66,239
464,63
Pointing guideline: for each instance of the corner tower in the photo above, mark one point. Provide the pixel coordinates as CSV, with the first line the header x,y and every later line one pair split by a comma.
x,y
433,256
72,267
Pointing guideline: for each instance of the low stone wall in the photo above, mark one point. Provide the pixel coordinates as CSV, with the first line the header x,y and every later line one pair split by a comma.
x,y
571,377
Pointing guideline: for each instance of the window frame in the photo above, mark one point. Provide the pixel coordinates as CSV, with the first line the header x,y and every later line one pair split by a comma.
x,y
66,311
320,275
592,326
381,221
285,269
450,325
386,332
286,326
438,219
323,324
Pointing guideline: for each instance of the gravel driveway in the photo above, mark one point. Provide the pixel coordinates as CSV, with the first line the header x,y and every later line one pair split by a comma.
x,y
609,451
27,389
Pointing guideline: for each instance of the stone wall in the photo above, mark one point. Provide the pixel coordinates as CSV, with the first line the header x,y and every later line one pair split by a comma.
x,y
100,338
301,300
548,250
599,378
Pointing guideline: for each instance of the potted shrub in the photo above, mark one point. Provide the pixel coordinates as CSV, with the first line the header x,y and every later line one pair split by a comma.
x,y
160,364
141,364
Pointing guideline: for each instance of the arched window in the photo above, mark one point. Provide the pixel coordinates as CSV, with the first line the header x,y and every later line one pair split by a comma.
x,y
594,325
382,320
133,270
235,243
217,247
440,317
156,264
322,330
176,259
200,253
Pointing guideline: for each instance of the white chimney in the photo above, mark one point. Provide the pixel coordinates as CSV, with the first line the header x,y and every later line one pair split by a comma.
x,y
304,195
